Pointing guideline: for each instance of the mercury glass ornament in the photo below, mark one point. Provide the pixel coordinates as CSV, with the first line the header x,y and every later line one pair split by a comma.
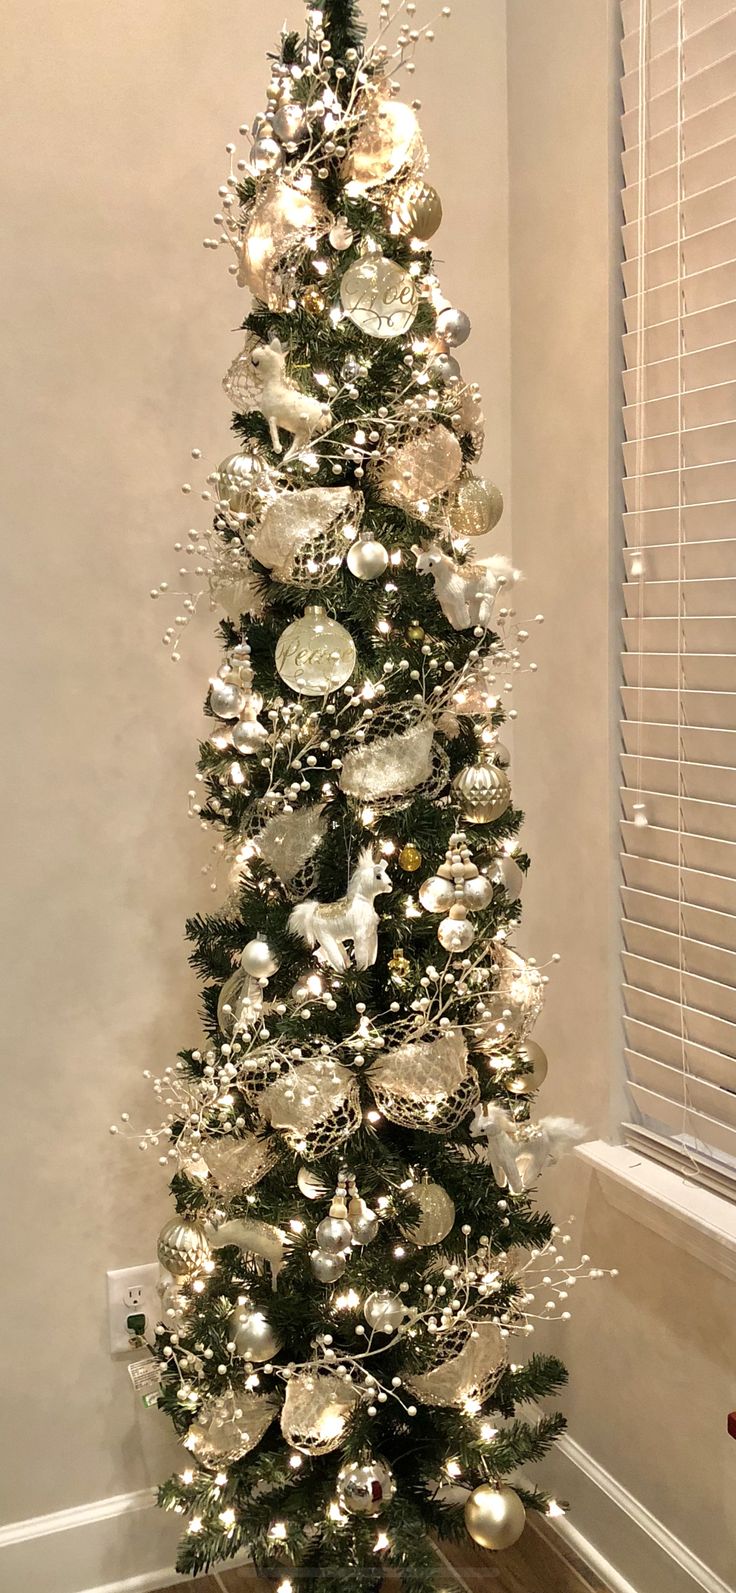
x,y
436,895
257,959
453,326
477,508
182,1247
379,296
363,1222
437,1215
227,700
384,1311
310,1185
478,893
252,1335
530,1055
424,212
367,560
455,934
315,655
266,155
444,368
483,791
327,1269
289,123
248,735
494,1517
365,1487
333,1235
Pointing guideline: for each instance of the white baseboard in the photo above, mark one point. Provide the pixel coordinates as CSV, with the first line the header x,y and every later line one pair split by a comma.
x,y
628,1548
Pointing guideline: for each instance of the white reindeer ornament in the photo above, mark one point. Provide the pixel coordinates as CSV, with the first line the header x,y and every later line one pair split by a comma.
x,y
353,917
466,593
285,406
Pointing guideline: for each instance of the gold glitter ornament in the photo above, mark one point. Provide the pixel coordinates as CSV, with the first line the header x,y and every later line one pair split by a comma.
x,y
410,858
399,965
477,508
313,300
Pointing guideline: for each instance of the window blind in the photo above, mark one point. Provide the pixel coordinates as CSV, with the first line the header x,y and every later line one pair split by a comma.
x,y
679,627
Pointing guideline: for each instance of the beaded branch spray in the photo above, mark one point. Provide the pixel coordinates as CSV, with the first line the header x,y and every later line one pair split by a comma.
x,y
356,1260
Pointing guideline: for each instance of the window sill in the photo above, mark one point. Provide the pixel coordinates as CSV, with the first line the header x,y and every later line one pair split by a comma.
x,y
699,1222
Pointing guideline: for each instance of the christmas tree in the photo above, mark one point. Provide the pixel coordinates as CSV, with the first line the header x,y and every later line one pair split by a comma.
x,y
356,1258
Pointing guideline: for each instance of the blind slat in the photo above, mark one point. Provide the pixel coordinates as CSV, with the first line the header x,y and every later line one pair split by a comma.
x,y
702,924
700,888
710,819
704,1129
700,992
665,946
706,782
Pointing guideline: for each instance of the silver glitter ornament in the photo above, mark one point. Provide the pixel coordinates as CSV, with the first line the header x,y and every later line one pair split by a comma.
x,y
365,1487
252,1335
182,1247
367,560
453,326
266,156
384,1311
315,655
495,1517
334,1234
327,1269
483,792
258,960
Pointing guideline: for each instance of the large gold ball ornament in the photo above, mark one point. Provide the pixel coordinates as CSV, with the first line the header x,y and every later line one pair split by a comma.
x,y
494,1517
477,508
182,1247
424,212
437,1215
315,655
483,792
313,300
410,858
530,1055
379,296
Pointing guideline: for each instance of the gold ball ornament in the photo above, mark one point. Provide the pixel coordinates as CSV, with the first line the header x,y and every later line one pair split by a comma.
x,y
313,300
477,508
182,1247
399,965
315,655
424,212
437,1215
495,1517
532,1056
379,296
410,858
483,792
415,632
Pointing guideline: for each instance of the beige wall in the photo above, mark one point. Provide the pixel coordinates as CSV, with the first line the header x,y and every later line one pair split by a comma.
x,y
118,329
651,1355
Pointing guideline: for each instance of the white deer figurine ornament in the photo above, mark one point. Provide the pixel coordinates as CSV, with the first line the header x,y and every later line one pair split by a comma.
x,y
353,917
285,406
466,593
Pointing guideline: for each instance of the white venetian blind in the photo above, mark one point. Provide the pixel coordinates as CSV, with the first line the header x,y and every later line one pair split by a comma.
x,y
679,662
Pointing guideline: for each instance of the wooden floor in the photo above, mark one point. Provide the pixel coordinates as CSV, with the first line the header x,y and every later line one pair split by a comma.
x,y
539,1563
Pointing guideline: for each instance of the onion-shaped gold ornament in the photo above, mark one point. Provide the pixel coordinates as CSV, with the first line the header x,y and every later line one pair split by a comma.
x,y
483,791
424,211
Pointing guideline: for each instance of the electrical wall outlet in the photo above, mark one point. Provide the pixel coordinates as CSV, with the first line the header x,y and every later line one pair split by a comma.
x,y
133,1306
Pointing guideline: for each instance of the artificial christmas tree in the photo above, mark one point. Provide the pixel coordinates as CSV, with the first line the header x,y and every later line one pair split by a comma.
x,y
356,1259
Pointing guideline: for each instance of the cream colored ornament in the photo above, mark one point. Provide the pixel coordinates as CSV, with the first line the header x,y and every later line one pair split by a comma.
x,y
483,792
387,141
303,536
495,1517
367,559
288,841
282,223
437,895
183,1247
316,1411
390,765
238,1165
315,1105
436,1215
421,469
466,593
315,655
254,1238
229,1427
284,405
472,1375
354,917
456,933
476,509
426,1084
379,296
422,211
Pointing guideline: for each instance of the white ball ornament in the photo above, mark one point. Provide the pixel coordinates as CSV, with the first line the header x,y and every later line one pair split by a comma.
x,y
252,1335
478,893
455,933
495,1517
436,895
289,124
258,960
364,1488
384,1311
249,735
367,560
227,700
327,1269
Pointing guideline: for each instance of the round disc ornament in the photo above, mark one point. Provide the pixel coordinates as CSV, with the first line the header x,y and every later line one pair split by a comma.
x,y
379,296
315,655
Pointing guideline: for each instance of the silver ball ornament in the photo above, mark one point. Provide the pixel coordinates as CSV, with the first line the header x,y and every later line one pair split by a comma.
x,y
384,1311
453,326
327,1269
252,1335
290,124
257,959
494,1517
444,368
478,893
265,156
365,1227
248,736
334,1234
364,1488
436,895
367,560
227,700
182,1247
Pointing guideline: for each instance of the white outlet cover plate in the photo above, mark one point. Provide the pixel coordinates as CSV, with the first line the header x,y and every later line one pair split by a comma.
x,y
119,1306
